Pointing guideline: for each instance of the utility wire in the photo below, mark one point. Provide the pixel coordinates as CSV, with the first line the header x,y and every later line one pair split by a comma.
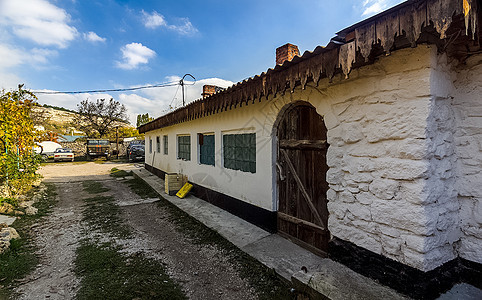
x,y
170,105
112,90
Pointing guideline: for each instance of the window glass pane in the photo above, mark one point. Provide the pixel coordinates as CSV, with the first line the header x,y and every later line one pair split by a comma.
x,y
239,152
184,147
206,150
165,144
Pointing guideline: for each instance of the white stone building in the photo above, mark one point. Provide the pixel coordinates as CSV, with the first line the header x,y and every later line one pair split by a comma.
x,y
368,150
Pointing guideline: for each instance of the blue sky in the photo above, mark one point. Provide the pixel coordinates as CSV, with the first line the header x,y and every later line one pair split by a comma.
x,y
71,45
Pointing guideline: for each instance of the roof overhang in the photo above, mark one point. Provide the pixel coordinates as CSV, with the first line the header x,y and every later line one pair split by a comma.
x,y
452,25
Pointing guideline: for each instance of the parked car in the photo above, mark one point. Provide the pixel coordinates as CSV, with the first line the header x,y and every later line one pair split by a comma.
x,y
98,148
63,154
135,143
46,149
136,153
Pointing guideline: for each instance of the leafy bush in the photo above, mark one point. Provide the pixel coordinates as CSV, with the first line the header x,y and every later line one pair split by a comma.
x,y
11,201
18,161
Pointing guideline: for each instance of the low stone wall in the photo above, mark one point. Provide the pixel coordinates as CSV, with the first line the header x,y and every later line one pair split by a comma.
x,y
80,149
25,208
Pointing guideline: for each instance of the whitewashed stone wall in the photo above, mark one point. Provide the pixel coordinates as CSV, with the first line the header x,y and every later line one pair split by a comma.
x,y
405,163
441,196
385,177
467,105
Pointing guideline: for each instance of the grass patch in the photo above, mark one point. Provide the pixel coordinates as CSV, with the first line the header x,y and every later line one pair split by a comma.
x,y
103,214
94,187
121,159
108,274
17,262
20,259
114,172
141,188
267,284
264,280
137,185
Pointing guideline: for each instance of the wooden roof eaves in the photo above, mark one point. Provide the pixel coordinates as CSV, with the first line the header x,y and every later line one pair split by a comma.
x,y
406,20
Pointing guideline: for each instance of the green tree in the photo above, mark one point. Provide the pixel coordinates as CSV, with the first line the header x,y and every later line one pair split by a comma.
x,y
97,118
124,132
143,119
18,162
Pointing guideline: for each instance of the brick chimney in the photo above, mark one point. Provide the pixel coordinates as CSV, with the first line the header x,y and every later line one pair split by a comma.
x,y
208,90
286,52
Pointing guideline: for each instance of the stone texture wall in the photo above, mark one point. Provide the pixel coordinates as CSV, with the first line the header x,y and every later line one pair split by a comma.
x,y
384,173
405,163
467,105
79,148
440,194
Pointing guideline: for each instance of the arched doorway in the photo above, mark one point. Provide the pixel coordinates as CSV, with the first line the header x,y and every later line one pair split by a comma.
x,y
301,167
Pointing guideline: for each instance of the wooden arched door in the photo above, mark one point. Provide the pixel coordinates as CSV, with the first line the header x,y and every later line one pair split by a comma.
x,y
302,186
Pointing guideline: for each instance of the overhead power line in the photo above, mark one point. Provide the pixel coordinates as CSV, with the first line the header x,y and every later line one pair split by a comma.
x,y
174,83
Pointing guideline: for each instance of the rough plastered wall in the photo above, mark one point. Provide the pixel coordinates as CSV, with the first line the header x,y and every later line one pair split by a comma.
x,y
467,105
383,193
440,189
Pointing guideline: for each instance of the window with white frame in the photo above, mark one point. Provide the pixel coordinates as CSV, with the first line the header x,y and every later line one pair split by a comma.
x,y
184,147
166,146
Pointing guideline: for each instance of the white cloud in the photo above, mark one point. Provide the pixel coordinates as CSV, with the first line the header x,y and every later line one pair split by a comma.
x,y
10,56
186,27
135,54
172,95
137,105
38,21
9,81
93,37
40,56
372,7
155,20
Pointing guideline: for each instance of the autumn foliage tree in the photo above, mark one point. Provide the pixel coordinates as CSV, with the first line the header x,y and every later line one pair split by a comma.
x,y
97,118
18,162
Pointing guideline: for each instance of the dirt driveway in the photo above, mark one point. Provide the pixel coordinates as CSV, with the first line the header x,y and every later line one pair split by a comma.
x,y
96,209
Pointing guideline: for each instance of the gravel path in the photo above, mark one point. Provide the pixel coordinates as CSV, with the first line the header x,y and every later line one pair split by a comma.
x,y
203,271
57,240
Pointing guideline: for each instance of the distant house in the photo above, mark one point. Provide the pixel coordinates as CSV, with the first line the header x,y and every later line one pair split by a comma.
x,y
367,150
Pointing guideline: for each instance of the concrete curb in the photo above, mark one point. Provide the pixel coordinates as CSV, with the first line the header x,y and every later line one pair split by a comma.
x,y
321,278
